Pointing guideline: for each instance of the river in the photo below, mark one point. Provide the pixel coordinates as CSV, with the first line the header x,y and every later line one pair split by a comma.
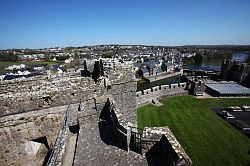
x,y
216,65
207,65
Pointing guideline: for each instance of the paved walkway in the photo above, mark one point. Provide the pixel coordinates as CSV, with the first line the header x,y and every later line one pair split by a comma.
x,y
157,103
207,96
69,156
92,151
162,76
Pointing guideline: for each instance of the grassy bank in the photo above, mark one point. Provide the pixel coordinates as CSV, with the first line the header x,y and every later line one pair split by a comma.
x,y
207,139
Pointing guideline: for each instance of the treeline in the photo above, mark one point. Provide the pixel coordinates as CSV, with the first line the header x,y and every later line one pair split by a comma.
x,y
218,47
9,57
108,54
217,55
60,58
212,55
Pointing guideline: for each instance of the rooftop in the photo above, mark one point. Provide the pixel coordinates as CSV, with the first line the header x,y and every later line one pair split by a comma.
x,y
229,88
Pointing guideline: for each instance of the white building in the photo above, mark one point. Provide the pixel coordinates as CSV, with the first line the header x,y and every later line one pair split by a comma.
x,y
16,67
69,60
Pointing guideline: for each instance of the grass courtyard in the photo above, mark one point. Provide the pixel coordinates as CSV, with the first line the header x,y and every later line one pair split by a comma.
x,y
207,139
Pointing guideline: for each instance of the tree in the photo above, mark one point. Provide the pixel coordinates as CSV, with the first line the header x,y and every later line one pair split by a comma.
x,y
48,57
68,49
85,72
198,58
248,59
107,54
62,58
101,68
96,71
9,57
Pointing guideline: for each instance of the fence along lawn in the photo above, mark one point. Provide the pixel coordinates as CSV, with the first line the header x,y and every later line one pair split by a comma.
x,y
207,139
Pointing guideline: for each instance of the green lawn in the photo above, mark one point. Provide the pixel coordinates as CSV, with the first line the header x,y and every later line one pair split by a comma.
x,y
206,138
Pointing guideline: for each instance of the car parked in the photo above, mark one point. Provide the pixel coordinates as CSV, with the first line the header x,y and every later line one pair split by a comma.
x,y
227,115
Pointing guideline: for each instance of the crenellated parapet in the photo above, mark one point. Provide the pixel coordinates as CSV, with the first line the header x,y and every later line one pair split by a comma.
x,y
146,96
142,141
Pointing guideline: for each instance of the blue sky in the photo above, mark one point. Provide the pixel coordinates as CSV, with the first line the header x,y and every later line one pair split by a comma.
x,y
49,23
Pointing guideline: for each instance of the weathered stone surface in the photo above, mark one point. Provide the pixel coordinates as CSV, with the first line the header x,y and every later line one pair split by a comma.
x,y
32,148
146,96
29,95
107,111
91,150
16,132
156,133
104,139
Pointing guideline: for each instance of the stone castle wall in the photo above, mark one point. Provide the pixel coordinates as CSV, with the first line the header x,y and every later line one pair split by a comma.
x,y
18,131
28,98
23,96
42,92
146,96
125,97
236,71
35,108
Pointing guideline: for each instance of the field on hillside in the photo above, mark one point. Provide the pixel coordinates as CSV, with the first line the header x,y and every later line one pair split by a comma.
x,y
207,139
4,64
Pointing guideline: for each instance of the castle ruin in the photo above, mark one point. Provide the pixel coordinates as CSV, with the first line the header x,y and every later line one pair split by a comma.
x,y
73,120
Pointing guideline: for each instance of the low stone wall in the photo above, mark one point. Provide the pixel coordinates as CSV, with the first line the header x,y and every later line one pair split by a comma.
x,y
38,83
167,144
28,95
146,96
18,131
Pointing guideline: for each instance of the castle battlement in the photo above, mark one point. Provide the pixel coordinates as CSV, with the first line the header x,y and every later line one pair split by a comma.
x,y
146,96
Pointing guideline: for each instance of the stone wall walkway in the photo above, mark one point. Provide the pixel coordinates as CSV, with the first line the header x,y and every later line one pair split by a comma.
x,y
92,151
